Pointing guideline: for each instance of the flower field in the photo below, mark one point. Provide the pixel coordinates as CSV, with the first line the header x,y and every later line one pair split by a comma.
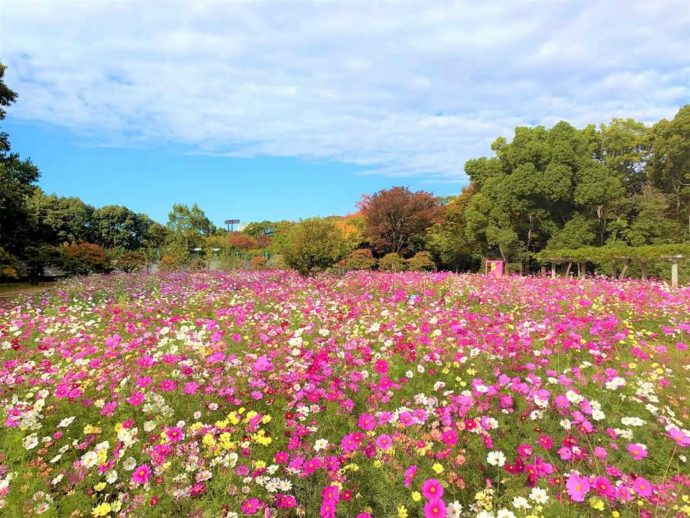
x,y
385,395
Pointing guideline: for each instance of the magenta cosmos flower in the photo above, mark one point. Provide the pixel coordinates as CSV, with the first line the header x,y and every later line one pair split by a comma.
x,y
435,508
577,487
384,442
637,451
432,488
142,474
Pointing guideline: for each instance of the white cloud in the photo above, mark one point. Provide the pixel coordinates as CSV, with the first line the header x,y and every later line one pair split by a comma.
x,y
402,87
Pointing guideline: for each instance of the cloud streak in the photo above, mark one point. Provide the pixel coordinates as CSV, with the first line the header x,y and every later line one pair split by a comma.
x,y
402,88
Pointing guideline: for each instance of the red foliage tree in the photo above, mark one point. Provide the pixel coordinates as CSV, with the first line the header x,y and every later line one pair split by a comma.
x,y
397,219
242,241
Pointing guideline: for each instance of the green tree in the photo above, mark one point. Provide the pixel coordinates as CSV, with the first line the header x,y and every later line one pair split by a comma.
x,y
669,164
360,259
421,262
313,245
115,226
189,225
392,262
58,220
449,241
17,183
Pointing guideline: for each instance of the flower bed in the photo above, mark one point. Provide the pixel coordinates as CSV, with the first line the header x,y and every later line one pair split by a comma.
x,y
414,394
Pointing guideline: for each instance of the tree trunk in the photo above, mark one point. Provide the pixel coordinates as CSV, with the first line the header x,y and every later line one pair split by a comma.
x,y
624,270
581,270
567,270
643,270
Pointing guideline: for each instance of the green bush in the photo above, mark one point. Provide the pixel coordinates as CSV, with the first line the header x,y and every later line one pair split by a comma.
x,y
392,263
421,262
313,245
360,259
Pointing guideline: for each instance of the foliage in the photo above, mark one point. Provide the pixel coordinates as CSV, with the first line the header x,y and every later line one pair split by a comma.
x,y
189,225
314,245
449,241
131,261
84,258
397,219
242,241
392,262
360,259
421,262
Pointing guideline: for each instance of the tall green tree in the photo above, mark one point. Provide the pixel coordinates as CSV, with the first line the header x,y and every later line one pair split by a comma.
x,y
189,225
669,164
17,183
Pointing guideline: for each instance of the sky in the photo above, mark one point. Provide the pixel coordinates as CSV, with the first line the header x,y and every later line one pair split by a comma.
x,y
287,109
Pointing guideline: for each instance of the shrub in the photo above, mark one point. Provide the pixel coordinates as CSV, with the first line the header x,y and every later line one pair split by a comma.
x,y
84,258
258,262
422,261
131,261
360,259
313,245
392,263
242,241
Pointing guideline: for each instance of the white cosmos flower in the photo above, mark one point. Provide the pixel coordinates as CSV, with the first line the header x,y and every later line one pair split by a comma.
x,y
496,458
539,495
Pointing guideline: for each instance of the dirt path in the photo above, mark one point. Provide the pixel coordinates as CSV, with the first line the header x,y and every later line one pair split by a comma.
x,y
9,293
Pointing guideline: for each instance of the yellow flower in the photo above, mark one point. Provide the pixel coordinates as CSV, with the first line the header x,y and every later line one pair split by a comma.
x,y
234,418
402,511
89,429
438,468
416,496
259,464
99,487
615,514
596,503
208,440
378,463
101,509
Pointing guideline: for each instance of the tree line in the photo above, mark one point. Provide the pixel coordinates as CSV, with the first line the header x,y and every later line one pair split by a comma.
x,y
624,183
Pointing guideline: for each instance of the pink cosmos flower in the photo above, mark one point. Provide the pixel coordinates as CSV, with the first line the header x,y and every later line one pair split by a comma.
x,y
681,438
167,385
409,475
524,450
366,422
174,434
435,508
190,387
600,453
263,363
577,487
136,399
642,487
604,487
432,488
383,442
142,474
637,451
250,506
449,437
381,366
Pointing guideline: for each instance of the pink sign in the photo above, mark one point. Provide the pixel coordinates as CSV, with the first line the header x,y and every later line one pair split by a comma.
x,y
495,268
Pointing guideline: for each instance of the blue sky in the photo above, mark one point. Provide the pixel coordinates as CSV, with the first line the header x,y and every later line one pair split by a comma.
x,y
264,109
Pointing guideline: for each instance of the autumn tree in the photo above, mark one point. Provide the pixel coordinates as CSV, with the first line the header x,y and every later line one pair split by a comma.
x,y
397,219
